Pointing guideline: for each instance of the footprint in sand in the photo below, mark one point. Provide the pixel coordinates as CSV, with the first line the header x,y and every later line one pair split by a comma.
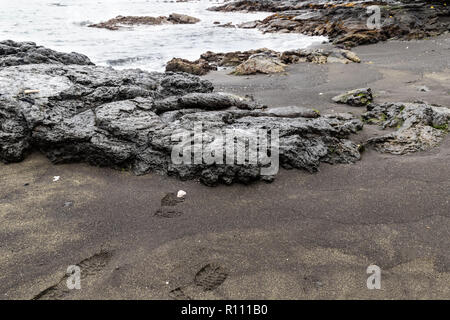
x,y
170,206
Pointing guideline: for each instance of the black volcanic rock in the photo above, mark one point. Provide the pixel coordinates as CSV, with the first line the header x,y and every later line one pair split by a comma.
x,y
345,22
240,60
118,22
126,119
20,53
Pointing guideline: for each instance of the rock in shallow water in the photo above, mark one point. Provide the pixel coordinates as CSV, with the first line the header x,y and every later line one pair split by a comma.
x,y
346,22
127,119
199,67
19,53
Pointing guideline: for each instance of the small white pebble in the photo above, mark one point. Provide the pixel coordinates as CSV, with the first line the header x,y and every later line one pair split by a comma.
x,y
56,178
181,194
167,282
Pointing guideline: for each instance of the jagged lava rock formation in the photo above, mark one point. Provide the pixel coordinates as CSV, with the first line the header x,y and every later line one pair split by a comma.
x,y
345,22
358,97
19,53
125,119
259,60
419,126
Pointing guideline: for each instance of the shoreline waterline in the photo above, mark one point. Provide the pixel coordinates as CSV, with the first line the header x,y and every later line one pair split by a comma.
x,y
63,26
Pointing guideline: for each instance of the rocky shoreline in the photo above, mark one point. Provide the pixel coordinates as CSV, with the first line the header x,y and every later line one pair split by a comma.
x,y
71,110
125,119
305,236
74,111
345,22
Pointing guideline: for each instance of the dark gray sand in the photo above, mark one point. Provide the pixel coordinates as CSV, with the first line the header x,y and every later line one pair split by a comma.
x,y
304,236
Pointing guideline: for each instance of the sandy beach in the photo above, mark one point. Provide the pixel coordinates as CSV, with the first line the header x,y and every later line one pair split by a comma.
x,y
304,236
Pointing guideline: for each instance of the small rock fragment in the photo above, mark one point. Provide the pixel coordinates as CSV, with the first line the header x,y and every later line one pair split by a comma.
x,y
350,56
248,25
227,25
292,112
182,19
68,204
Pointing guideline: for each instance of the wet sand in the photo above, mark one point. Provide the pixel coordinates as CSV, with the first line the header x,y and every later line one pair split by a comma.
x,y
304,236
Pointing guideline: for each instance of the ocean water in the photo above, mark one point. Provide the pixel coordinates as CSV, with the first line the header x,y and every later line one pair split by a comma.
x,y
62,25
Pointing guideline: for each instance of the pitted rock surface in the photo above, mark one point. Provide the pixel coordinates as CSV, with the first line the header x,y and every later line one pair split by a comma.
x,y
126,119
419,126
345,22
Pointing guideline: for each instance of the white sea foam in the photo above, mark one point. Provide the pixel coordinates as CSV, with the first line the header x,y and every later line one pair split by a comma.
x,y
62,25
